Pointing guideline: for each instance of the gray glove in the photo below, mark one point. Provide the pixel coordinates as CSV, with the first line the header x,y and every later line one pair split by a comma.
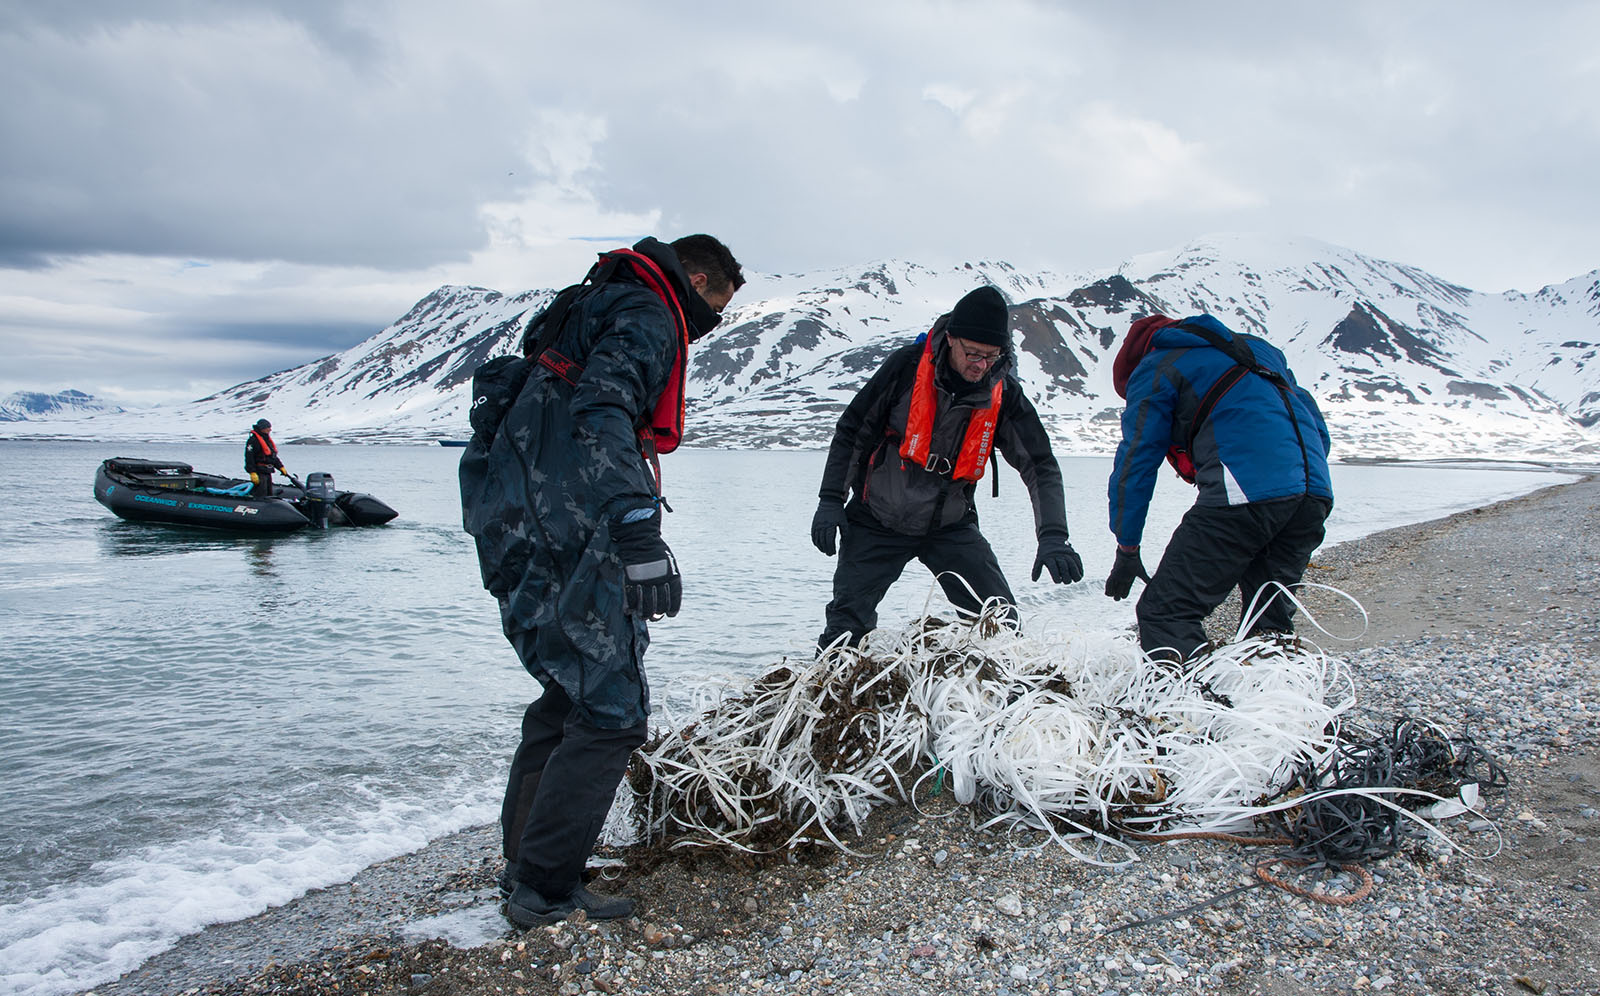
x,y
652,586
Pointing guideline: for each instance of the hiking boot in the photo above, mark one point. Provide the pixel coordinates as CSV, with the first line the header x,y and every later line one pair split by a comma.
x,y
528,908
599,905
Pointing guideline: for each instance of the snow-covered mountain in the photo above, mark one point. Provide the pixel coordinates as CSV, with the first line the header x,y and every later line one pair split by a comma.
x,y
1404,364
27,406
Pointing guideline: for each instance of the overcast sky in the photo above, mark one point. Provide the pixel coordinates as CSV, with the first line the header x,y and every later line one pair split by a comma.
x,y
199,192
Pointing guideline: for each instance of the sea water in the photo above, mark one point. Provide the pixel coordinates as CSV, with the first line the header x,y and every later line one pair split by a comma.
x,y
198,726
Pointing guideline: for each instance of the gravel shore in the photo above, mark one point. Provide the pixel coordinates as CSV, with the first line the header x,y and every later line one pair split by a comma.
x,y
1482,622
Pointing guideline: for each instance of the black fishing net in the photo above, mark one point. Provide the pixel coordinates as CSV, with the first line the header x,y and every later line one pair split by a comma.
x,y
1353,796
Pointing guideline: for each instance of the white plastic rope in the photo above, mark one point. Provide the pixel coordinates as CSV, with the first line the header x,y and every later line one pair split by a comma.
x,y
1075,734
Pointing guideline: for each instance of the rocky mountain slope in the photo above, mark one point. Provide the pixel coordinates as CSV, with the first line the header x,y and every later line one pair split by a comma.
x,y
23,406
1405,364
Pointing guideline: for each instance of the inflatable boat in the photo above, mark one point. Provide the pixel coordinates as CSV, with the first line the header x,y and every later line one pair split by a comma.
x,y
174,493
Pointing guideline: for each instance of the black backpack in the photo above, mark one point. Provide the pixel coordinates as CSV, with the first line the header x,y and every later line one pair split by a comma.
x,y
496,384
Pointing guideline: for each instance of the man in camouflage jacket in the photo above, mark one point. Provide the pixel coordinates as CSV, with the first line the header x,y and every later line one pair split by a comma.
x,y
563,502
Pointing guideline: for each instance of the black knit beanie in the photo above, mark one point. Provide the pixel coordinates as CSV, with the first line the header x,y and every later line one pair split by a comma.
x,y
981,317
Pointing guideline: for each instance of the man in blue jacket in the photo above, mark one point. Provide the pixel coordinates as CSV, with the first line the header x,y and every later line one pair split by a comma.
x,y
1224,410
559,489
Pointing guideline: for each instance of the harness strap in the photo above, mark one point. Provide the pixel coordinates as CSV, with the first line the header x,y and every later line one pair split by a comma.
x,y
1245,362
938,505
567,369
647,447
1237,349
1223,385
1245,357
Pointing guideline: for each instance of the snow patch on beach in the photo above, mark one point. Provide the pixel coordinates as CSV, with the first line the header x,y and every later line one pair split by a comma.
x,y
469,927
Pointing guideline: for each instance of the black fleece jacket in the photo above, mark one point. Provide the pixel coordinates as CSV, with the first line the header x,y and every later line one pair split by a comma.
x,y
865,454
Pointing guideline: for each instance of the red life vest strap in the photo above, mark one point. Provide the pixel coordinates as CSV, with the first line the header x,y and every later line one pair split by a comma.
x,y
666,420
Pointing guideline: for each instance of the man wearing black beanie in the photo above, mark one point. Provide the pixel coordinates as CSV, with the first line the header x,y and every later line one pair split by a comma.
x,y
912,446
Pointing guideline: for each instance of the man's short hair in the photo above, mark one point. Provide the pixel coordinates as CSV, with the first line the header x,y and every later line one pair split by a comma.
x,y
704,254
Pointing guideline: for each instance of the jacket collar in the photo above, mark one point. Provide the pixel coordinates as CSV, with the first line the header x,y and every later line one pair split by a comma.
x,y
702,317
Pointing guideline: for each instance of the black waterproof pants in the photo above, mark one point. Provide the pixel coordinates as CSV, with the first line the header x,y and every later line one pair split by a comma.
x,y
261,487
1217,548
563,777
871,558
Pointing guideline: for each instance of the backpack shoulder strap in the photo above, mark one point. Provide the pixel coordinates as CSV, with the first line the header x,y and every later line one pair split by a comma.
x,y
550,322
1244,362
1237,349
1223,384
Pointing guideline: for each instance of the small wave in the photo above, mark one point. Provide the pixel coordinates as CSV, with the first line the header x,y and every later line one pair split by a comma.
x,y
69,937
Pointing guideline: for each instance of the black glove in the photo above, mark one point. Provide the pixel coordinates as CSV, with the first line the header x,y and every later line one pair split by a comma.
x,y
652,586
828,520
1127,567
1058,556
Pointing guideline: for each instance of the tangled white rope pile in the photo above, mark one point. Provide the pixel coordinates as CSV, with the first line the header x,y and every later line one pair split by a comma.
x,y
1072,733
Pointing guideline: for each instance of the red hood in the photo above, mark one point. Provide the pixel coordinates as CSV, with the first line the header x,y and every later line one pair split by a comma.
x,y
1134,348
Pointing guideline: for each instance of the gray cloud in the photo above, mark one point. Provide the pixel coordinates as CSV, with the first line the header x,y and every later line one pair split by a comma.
x,y
338,160
253,137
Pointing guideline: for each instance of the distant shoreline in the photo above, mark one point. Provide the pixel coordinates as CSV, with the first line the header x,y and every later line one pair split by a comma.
x,y
1475,463
1572,466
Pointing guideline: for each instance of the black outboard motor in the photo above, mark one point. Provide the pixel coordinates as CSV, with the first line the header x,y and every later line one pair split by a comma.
x,y
319,498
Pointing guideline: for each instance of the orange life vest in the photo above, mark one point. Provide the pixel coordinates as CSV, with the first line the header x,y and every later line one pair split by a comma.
x,y
975,446
269,449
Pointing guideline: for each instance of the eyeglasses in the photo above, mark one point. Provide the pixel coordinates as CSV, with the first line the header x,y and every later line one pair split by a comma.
x,y
975,357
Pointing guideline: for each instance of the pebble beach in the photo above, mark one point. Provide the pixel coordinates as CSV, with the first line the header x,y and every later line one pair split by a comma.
x,y
1482,622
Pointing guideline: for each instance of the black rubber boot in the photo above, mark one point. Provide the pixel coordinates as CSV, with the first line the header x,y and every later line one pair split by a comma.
x,y
527,908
